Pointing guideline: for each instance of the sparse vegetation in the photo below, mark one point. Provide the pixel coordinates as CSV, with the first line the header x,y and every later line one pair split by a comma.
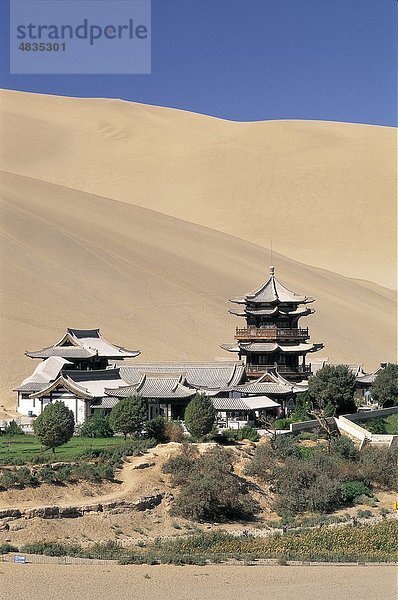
x,y
318,481
209,489
364,542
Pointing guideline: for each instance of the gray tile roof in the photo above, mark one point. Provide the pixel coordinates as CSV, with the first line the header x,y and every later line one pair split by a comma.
x,y
198,375
62,351
106,402
155,386
31,386
84,343
230,404
270,292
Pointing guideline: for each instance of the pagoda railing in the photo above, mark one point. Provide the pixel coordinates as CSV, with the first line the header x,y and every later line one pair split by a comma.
x,y
271,333
301,369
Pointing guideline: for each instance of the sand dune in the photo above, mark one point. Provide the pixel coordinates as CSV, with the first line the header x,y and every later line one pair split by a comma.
x,y
154,282
323,192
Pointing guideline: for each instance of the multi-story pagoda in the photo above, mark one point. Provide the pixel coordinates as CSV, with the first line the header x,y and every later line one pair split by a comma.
x,y
272,338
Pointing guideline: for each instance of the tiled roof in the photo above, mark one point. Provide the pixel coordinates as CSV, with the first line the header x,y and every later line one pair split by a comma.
x,y
272,291
230,404
273,347
249,404
62,351
68,384
46,371
95,382
30,386
268,384
84,343
198,375
159,386
106,402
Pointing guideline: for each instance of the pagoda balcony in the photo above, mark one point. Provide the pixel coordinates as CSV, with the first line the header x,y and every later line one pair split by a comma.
x,y
282,369
271,334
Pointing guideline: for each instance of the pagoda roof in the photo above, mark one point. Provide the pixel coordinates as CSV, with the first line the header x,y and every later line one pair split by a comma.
x,y
271,312
272,292
83,343
215,375
271,347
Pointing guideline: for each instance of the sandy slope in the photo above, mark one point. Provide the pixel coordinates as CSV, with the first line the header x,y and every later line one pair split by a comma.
x,y
324,192
153,282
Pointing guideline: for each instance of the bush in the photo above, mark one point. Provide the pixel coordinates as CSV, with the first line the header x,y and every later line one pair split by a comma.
x,y
354,489
379,466
282,423
180,467
308,487
345,448
97,426
200,415
174,431
156,428
210,491
13,428
6,548
247,433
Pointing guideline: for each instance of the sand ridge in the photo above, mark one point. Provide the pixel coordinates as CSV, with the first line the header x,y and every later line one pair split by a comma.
x,y
325,192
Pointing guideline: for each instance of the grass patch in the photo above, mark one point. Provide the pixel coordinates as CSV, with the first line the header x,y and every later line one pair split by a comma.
x,y
22,449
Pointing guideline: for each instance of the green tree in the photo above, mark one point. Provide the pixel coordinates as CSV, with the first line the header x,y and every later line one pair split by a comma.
x,y
385,386
55,425
129,416
97,426
333,384
199,416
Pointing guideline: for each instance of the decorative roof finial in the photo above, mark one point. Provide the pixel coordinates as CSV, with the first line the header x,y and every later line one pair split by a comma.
x,y
272,271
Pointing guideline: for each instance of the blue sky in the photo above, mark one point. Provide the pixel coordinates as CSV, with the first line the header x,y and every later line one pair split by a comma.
x,y
253,60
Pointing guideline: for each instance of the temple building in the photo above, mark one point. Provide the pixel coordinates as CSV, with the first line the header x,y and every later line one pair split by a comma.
x,y
272,338
85,349
88,373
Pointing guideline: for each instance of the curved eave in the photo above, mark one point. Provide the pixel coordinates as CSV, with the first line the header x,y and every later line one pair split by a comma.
x,y
230,347
68,385
60,352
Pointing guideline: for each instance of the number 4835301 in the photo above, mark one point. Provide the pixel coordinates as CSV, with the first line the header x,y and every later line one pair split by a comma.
x,y
42,47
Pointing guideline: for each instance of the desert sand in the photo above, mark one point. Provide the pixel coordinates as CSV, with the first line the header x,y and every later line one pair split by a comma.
x,y
211,582
144,221
324,192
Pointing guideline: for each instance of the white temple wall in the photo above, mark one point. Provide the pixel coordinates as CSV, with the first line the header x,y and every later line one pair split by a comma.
x,y
33,406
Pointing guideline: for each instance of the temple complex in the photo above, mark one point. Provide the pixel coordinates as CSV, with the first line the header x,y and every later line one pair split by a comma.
x,y
88,373
272,337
